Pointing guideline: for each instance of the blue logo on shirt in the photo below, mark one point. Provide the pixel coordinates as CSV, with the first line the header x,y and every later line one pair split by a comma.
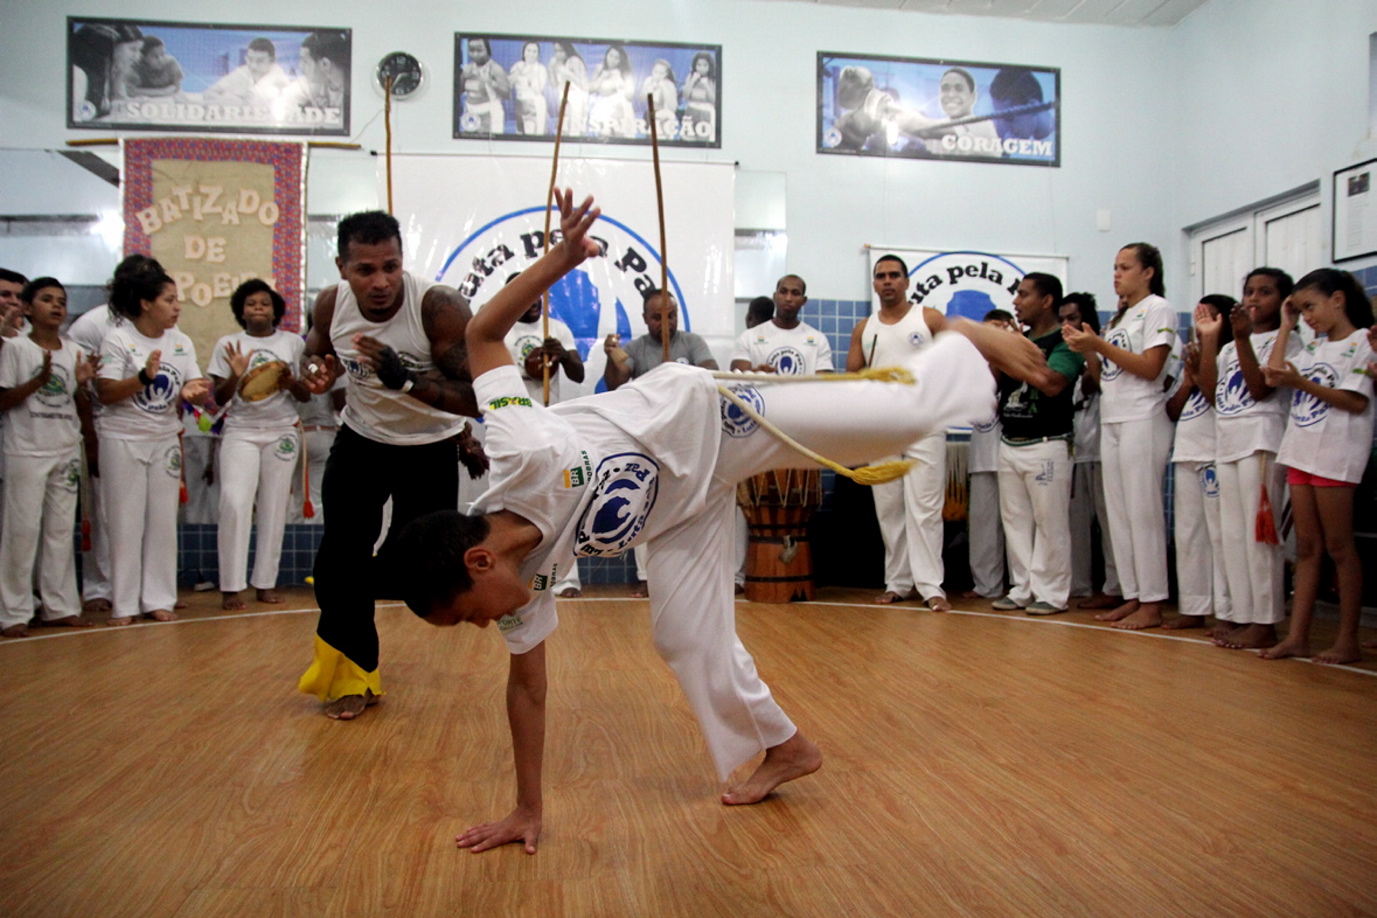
x,y
787,361
624,492
1196,405
1306,409
158,397
736,422
1111,370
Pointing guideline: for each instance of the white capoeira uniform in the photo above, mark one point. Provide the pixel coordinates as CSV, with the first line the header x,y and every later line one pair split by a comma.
x,y
1323,440
141,461
658,462
1135,440
985,531
258,458
1087,503
88,330
523,338
910,510
1202,589
42,447
798,351
319,424
1248,434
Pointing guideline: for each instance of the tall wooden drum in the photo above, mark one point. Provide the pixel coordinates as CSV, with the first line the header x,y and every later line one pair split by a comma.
x,y
778,505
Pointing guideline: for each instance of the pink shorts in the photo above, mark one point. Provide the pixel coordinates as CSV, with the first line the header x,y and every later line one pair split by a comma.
x,y
1297,477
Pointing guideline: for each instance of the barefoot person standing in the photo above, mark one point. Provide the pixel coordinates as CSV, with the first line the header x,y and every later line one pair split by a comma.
x,y
400,339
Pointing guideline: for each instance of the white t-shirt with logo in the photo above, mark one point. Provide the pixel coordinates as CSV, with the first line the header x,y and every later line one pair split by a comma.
x,y
1195,437
1244,426
150,413
277,410
589,472
984,455
801,350
526,337
1126,397
1320,438
45,424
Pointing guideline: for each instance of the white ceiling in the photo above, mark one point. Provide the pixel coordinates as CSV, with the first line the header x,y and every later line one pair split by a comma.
x,y
1098,12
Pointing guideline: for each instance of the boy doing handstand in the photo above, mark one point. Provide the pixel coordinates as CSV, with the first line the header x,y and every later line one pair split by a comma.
x,y
657,461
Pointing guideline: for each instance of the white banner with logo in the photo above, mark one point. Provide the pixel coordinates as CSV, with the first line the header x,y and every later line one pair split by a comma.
x,y
473,222
967,284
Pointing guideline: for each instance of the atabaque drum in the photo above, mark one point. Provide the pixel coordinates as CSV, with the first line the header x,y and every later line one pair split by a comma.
x,y
778,506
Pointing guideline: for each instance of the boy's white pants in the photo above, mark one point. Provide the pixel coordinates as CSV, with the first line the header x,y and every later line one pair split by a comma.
x,y
40,499
910,515
1087,505
1034,498
1252,569
254,463
985,535
143,480
1134,461
95,564
1201,586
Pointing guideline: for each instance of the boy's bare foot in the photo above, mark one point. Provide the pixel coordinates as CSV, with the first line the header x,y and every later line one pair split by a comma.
x,y
1293,646
570,593
1219,629
1343,651
349,707
1101,601
1249,637
1182,622
969,594
641,590
795,757
179,605
117,621
938,603
889,598
270,596
96,605
16,631
161,615
1147,615
68,621
231,602
1121,611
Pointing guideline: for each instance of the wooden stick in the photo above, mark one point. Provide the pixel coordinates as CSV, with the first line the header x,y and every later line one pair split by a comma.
x,y
877,374
549,210
660,205
387,129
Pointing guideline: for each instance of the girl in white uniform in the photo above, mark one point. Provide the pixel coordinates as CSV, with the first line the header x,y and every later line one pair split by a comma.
x,y
42,379
1250,418
146,366
1202,589
258,450
1135,432
1326,448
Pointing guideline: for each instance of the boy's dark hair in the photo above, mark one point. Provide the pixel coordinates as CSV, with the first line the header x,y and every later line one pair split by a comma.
x,y
426,559
903,265
370,227
1085,305
1046,285
1224,304
328,45
137,279
14,277
247,289
264,46
998,315
1283,280
650,294
38,283
762,309
1015,86
1330,281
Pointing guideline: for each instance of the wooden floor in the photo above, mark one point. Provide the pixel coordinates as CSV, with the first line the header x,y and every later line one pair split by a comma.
x,y
976,764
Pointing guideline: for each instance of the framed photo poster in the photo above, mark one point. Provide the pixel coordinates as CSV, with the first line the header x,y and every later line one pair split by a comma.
x,y
938,109
1355,212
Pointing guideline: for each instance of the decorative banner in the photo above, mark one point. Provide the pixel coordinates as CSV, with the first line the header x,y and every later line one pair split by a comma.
x,y
935,109
967,284
511,85
216,213
176,76
473,222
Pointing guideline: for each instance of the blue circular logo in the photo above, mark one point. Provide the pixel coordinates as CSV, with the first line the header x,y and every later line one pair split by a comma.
x,y
787,360
1196,405
625,486
161,394
1119,338
1306,409
736,422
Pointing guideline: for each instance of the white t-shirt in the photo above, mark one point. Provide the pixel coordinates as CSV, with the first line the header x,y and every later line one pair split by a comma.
x,y
150,413
1195,437
1086,422
1320,438
88,330
526,337
588,472
801,350
277,410
885,345
1244,426
1148,324
45,423
984,455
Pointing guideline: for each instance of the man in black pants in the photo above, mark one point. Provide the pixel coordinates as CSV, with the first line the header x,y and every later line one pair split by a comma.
x,y
400,340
